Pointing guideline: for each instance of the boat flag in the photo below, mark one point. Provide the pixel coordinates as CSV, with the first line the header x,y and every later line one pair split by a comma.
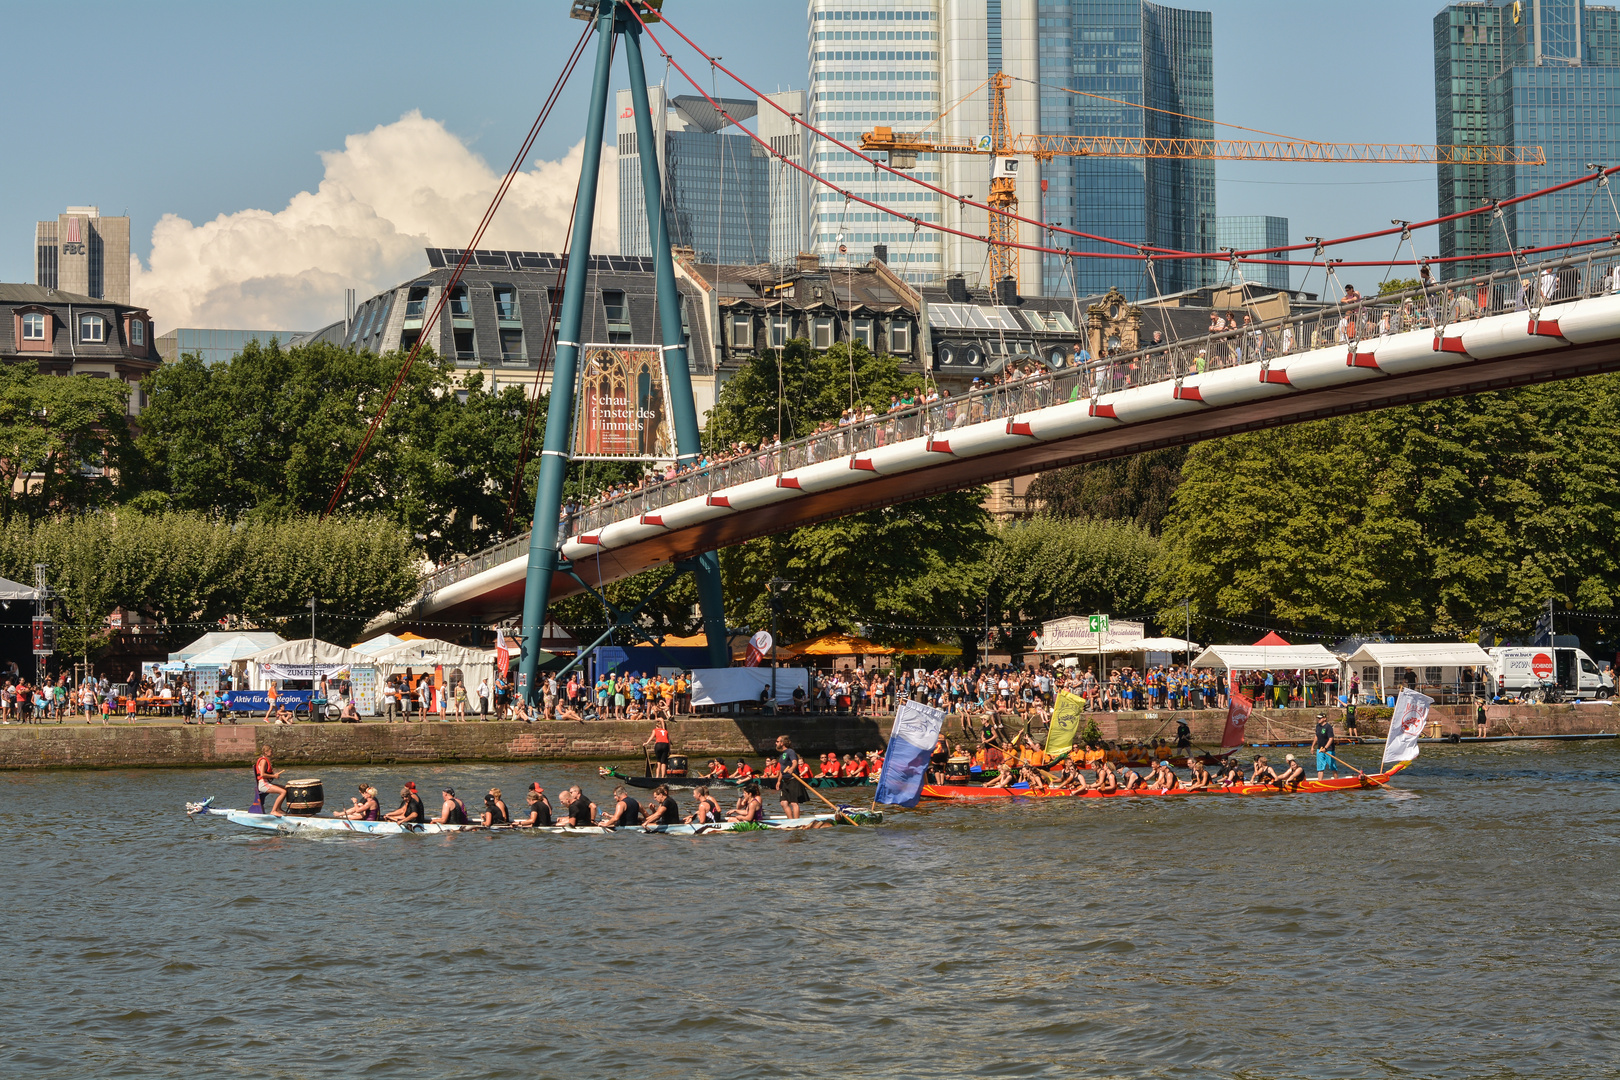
x,y
758,646
503,655
1065,725
1237,715
905,763
1406,725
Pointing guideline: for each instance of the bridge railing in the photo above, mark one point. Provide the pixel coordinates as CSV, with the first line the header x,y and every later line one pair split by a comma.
x,y
1436,306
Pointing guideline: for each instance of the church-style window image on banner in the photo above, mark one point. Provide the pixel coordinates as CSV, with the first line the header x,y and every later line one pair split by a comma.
x,y
623,408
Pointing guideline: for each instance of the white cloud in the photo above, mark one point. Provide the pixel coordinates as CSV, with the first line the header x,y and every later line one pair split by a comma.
x,y
386,195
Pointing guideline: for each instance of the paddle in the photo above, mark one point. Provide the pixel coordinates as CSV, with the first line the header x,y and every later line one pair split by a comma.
x,y
1358,772
838,814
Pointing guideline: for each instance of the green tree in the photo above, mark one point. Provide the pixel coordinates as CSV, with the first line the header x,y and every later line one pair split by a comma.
x,y
1440,518
273,431
1137,488
917,563
65,443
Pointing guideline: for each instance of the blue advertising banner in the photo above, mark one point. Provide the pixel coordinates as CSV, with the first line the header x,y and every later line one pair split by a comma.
x,y
905,763
259,700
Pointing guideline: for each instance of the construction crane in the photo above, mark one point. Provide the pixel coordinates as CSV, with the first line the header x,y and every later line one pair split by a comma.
x,y
1004,149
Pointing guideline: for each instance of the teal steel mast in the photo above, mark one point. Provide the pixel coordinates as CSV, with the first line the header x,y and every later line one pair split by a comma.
x,y
544,557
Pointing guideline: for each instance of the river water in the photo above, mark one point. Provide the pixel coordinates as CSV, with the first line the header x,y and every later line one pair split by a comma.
x,y
1461,924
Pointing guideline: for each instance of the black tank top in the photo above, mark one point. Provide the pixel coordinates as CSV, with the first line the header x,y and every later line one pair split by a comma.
x,y
497,816
458,813
413,809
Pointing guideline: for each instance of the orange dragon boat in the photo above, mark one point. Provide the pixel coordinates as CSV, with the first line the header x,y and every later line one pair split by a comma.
x,y
1345,783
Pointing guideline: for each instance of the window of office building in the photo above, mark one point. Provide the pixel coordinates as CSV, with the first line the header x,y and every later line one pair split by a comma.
x,y
511,345
464,344
863,332
33,327
92,329
458,302
506,304
618,316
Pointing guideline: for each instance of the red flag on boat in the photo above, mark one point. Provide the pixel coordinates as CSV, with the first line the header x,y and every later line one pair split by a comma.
x,y
503,656
1237,715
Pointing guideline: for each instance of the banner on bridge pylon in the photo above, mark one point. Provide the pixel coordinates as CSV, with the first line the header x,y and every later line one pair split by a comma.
x,y
622,408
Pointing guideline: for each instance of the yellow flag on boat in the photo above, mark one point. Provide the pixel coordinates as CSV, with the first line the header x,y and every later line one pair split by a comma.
x,y
1065,725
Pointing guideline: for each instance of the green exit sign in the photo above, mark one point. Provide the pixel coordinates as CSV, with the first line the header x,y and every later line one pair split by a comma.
x,y
1099,624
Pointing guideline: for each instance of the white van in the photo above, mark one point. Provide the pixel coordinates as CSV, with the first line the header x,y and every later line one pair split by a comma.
x,y
1522,669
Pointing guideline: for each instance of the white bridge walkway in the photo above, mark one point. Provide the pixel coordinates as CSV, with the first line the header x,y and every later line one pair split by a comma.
x,y
1486,333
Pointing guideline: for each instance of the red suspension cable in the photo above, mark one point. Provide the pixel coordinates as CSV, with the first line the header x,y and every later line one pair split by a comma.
x,y
461,264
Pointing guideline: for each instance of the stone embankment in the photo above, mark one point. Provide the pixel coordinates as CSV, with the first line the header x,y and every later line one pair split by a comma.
x,y
158,745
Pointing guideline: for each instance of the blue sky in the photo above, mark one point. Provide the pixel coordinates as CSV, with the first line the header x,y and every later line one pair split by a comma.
x,y
208,109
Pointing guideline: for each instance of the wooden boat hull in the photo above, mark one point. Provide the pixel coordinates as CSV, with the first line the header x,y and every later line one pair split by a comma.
x,y
1346,783
270,823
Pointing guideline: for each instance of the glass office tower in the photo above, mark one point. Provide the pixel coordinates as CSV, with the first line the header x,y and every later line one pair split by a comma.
x,y
1536,73
717,187
1251,232
1137,53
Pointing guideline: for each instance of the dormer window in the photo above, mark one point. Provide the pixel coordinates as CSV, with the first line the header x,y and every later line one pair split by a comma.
x,y
33,326
863,332
137,333
899,336
92,329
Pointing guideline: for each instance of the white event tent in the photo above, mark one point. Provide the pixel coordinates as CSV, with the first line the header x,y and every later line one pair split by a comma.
x,y
1440,669
298,660
424,655
1266,658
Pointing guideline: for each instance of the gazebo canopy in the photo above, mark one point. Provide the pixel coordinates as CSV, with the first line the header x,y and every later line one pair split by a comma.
x,y
1417,654
298,652
1272,639
226,652
1265,658
840,645
262,639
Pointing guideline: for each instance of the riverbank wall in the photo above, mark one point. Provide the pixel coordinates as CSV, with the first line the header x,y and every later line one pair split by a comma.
x,y
173,745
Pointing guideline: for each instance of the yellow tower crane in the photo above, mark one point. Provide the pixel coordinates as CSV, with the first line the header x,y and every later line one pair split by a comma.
x,y
1004,149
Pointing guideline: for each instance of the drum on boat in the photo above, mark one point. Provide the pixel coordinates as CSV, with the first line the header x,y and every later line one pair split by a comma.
x,y
305,797
676,765
959,767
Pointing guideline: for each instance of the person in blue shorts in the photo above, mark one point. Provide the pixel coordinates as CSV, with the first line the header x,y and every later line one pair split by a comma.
x,y
1322,742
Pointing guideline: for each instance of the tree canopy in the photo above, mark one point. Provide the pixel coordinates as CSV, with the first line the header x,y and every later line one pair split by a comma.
x,y
65,443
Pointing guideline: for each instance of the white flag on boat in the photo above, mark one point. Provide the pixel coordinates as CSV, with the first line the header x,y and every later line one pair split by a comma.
x,y
1406,725
911,743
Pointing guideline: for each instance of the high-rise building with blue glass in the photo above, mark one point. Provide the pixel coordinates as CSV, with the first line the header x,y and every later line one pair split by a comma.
x,y
1526,73
723,196
1100,63
1253,232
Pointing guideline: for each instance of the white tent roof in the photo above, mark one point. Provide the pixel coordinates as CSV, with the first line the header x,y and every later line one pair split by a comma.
x,y
297,652
1165,644
1421,654
380,643
239,647
428,652
1265,657
15,590
262,639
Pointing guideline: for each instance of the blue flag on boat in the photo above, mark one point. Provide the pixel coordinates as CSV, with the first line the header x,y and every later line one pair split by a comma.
x,y
911,743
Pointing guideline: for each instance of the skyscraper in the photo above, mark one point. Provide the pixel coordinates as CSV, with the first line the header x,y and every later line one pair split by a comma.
x,y
876,62
82,252
1251,232
1526,73
718,184
1121,55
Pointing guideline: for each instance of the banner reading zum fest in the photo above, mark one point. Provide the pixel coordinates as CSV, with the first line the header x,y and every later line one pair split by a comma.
x,y
623,408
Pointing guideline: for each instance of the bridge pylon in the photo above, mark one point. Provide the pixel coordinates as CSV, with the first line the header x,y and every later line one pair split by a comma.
x,y
612,21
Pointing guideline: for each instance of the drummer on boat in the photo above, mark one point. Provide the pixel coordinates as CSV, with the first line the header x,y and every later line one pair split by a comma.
x,y
265,775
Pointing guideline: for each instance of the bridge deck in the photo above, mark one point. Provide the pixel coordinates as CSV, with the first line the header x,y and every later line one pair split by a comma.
x,y
958,449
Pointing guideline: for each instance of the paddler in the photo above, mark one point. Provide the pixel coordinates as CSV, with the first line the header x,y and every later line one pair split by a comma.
x,y
663,810
626,811
1292,773
1200,780
365,808
750,807
1230,776
495,811
1107,780
708,810
539,808
265,775
453,812
1263,773
1163,777
742,770
580,811
411,811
